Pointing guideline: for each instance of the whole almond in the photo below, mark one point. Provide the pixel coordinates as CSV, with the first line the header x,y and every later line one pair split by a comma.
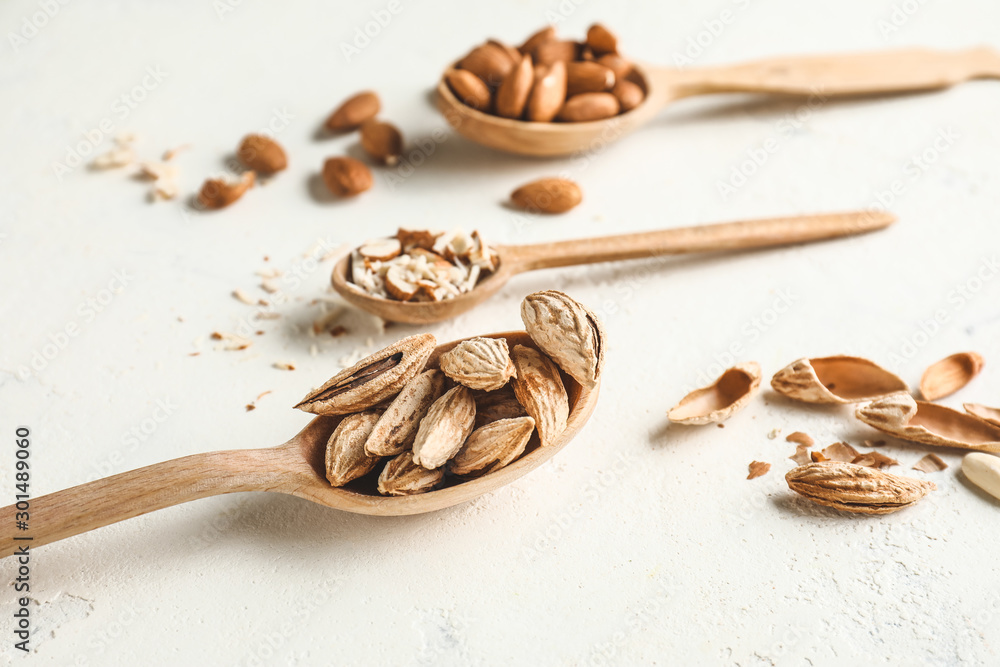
x,y
383,141
346,177
372,380
587,77
492,406
346,458
539,388
551,51
479,363
397,427
548,92
512,95
621,67
629,95
444,428
512,53
589,106
218,193
402,477
547,195
469,88
492,447
353,111
854,488
546,34
601,40
489,62
262,154
568,332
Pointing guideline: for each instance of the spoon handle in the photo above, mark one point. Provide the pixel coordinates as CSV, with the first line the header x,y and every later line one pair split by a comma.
x,y
129,494
853,74
701,238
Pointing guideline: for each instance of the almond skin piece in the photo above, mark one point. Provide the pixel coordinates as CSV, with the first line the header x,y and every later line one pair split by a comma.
x,y
469,88
346,177
587,77
548,93
217,193
546,34
512,96
547,195
628,94
262,154
353,112
601,40
551,51
589,106
383,141
489,62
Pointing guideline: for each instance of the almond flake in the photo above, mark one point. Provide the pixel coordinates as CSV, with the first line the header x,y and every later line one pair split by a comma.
x,y
284,365
240,295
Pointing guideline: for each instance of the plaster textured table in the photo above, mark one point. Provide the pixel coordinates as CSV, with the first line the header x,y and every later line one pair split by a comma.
x,y
641,543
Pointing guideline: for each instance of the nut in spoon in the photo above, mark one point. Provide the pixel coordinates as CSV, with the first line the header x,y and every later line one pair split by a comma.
x,y
296,467
644,245
900,71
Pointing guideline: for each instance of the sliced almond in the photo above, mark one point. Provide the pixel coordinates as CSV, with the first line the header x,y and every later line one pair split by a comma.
x,y
589,106
931,463
354,111
547,195
548,93
929,423
489,62
218,193
840,379
397,285
949,375
382,141
469,88
720,400
397,427
992,415
382,249
629,95
492,447
512,95
588,77
601,40
983,470
416,238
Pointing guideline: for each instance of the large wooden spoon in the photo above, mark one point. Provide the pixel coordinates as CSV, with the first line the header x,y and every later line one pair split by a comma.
x,y
645,245
296,467
905,70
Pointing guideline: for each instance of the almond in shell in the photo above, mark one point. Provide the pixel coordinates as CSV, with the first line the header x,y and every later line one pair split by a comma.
x,y
492,447
371,380
397,427
493,406
402,477
444,428
346,458
566,331
479,363
539,388
856,489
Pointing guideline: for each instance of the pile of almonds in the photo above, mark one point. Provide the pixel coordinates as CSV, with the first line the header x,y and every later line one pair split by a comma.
x,y
421,265
344,176
416,422
548,79
840,476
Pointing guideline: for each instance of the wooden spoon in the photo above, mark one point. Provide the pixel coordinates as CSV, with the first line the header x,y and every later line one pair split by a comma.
x,y
904,70
296,467
644,245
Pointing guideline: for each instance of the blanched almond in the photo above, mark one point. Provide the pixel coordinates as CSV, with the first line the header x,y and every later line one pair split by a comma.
x,y
383,141
588,77
353,111
512,95
469,88
589,106
346,177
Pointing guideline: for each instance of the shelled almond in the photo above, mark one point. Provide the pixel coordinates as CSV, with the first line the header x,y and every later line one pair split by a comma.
x,y
548,79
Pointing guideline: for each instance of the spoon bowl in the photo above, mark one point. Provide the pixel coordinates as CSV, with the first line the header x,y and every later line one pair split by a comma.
x,y
819,77
296,467
514,259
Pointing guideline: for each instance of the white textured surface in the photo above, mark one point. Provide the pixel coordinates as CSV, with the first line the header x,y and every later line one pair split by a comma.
x,y
640,543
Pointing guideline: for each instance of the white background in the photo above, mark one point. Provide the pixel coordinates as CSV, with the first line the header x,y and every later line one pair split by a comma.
x,y
640,543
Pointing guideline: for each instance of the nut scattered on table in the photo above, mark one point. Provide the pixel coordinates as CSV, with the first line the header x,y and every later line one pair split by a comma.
x,y
354,111
856,489
218,193
346,177
547,195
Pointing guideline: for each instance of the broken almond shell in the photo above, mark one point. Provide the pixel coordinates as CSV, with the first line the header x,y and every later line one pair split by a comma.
x,y
720,400
839,379
992,415
949,375
929,423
